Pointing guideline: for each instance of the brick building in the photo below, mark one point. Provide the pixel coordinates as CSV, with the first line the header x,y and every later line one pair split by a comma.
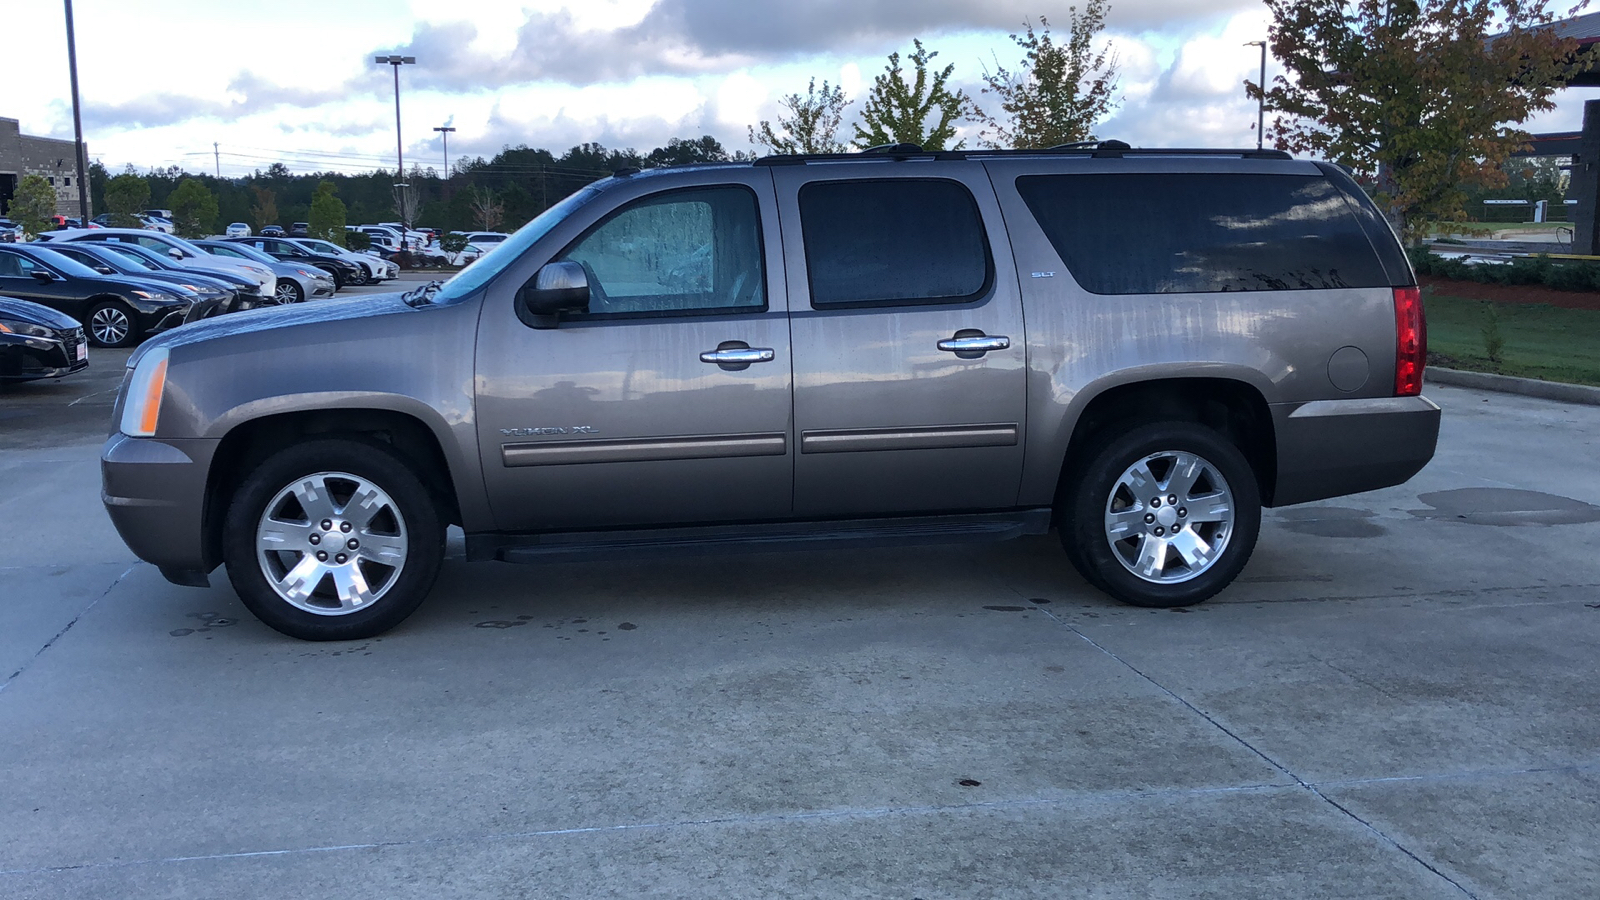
x,y
22,154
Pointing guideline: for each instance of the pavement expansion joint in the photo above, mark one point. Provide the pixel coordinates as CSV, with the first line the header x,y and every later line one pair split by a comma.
x,y
1313,788
66,628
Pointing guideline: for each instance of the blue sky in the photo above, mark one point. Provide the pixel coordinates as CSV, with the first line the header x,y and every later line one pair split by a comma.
x,y
293,81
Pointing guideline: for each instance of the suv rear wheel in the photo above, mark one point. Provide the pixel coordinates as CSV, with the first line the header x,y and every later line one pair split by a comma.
x,y
1164,514
334,539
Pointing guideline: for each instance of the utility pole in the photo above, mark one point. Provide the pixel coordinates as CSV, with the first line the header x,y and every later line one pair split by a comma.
x,y
399,146
444,133
216,153
77,123
1261,102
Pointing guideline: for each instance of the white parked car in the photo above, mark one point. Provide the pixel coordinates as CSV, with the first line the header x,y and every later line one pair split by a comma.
x,y
378,268
177,249
237,229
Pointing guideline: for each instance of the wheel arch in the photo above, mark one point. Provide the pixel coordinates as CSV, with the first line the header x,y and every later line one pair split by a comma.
x,y
1232,406
251,441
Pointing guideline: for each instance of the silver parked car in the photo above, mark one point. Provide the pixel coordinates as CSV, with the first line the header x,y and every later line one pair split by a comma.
x,y
178,250
296,282
1139,348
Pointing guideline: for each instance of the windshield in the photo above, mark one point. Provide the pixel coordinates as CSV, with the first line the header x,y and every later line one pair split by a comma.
x,y
320,246
134,256
506,252
238,251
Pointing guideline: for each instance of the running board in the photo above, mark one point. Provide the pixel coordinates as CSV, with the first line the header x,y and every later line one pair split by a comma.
x,y
762,537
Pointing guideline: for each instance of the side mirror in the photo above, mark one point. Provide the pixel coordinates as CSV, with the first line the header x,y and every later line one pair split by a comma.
x,y
557,288
43,275
175,253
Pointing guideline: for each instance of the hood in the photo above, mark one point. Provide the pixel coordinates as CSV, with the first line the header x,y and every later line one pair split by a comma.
x,y
140,283
283,319
35,314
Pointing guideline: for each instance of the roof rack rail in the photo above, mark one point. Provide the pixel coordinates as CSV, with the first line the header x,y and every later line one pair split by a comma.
x,y
1107,149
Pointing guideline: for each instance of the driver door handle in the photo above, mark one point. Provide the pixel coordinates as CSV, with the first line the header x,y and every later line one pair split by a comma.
x,y
739,355
975,344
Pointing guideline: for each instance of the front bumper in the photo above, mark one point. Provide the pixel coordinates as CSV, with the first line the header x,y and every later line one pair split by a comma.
x,y
27,358
1330,448
155,492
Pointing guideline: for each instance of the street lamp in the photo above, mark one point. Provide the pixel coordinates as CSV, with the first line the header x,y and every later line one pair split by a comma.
x,y
444,132
77,123
1261,102
399,146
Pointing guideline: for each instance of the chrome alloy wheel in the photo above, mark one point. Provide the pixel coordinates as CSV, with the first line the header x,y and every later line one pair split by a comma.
x,y
331,543
286,292
110,325
1169,517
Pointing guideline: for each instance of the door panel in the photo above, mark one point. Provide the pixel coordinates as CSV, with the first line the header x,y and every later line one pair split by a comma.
x,y
888,421
626,416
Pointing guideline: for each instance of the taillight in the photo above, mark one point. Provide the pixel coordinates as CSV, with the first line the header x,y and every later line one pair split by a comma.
x,y
1410,341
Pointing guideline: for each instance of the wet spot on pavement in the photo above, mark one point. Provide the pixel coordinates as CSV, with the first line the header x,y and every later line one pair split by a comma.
x,y
1331,521
1505,506
1007,608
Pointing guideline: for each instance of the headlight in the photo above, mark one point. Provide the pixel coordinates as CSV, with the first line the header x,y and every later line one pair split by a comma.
x,y
142,407
304,274
12,326
153,295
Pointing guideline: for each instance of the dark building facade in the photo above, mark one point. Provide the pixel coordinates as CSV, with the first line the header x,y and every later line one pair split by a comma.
x,y
22,154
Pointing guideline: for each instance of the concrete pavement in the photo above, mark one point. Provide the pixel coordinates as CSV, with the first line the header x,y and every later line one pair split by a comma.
x,y
1397,700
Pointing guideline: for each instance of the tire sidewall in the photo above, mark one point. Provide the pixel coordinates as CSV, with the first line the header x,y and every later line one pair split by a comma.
x,y
1083,525
370,460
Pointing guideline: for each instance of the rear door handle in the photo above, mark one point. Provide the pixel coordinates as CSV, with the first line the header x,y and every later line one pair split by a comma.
x,y
739,356
975,344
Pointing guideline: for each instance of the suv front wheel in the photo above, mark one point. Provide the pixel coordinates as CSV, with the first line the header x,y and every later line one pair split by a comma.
x,y
334,539
1164,514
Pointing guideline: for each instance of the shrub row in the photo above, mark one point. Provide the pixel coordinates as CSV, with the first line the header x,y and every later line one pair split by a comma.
x,y
1562,275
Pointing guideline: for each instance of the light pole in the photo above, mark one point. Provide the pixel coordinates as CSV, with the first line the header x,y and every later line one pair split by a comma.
x,y
399,146
77,123
1261,102
444,132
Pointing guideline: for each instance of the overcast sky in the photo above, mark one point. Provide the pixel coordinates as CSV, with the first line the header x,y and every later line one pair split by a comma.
x,y
293,81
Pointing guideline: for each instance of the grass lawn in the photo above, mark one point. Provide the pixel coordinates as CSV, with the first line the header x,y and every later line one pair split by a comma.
x,y
1540,341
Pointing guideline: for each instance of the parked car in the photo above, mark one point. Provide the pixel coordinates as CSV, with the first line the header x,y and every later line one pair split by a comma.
x,y
237,229
273,231
117,310
247,288
284,250
39,342
107,261
10,231
180,251
1141,347
299,229
376,267
158,213
157,223
297,282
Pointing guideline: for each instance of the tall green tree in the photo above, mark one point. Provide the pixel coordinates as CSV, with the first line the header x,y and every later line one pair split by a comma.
x,y
33,204
194,209
264,211
1421,96
809,124
327,214
1059,90
126,195
922,111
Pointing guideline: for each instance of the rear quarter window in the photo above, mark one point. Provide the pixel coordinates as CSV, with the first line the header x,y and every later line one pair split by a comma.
x,y
1199,233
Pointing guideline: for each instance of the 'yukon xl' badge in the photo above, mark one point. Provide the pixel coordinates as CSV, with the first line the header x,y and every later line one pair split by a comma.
x,y
540,432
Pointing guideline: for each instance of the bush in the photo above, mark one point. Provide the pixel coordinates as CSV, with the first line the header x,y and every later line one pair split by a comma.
x,y
1561,275
359,241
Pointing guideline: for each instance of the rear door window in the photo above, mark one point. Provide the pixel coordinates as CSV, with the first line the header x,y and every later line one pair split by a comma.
x,y
893,242
1197,233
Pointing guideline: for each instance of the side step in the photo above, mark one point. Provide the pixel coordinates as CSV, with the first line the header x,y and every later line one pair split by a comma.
x,y
761,537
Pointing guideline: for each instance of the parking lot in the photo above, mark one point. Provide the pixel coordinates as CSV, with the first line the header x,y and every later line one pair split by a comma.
x,y
1397,700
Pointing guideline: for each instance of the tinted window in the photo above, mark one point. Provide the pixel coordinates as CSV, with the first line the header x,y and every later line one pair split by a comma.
x,y
1183,233
683,251
894,241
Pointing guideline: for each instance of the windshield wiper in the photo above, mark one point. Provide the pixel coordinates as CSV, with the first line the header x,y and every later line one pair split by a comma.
x,y
422,295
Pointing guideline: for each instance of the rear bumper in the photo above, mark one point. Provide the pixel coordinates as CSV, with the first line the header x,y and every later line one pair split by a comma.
x,y
155,493
1330,448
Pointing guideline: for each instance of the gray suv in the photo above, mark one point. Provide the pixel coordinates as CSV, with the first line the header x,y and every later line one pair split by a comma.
x,y
1140,348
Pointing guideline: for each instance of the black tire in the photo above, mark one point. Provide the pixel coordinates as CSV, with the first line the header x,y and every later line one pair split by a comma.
x,y
106,319
421,531
287,291
1089,501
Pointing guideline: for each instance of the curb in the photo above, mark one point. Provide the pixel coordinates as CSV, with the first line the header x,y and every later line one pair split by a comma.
x,y
1506,384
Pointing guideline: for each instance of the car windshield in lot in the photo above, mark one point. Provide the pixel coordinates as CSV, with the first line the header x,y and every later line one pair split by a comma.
x,y
64,265
319,246
508,251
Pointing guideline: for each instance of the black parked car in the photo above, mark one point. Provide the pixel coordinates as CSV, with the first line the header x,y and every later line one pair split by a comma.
x,y
273,231
117,310
343,271
107,261
249,292
38,342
